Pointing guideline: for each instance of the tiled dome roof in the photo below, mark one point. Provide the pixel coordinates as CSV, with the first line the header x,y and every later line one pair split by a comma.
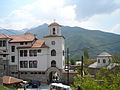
x,y
104,54
54,24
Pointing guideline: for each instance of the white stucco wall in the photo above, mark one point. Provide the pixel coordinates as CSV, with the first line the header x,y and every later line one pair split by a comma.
x,y
41,59
59,47
57,30
16,51
101,61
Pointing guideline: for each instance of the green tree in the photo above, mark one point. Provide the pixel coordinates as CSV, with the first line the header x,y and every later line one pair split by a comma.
x,y
105,80
86,54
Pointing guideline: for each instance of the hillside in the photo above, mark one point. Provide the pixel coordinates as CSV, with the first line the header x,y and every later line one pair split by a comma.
x,y
78,39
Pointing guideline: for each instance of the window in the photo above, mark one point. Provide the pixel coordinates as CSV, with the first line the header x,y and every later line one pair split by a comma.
x,y
12,58
53,31
32,64
98,60
53,63
13,48
35,52
53,42
2,43
4,66
53,52
104,61
63,53
25,53
25,43
4,55
39,72
32,52
21,43
23,64
21,53
39,51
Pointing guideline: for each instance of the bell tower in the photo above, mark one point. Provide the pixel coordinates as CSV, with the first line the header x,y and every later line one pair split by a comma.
x,y
55,41
55,29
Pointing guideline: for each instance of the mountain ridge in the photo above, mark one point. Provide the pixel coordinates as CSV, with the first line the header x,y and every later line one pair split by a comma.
x,y
77,39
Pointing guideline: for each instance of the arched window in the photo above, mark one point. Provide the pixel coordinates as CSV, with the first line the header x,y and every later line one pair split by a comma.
x,y
53,31
104,61
53,63
53,53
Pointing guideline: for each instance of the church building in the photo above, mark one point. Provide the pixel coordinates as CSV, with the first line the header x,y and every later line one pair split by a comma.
x,y
33,59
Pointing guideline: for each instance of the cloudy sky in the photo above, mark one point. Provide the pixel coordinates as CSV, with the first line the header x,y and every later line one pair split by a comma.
x,y
90,14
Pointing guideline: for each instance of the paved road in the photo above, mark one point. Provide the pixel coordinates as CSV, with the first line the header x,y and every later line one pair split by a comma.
x,y
42,87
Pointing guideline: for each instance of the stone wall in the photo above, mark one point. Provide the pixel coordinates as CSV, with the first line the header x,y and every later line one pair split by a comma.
x,y
33,76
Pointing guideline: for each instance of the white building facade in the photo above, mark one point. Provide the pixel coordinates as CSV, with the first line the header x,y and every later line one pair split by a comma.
x,y
30,58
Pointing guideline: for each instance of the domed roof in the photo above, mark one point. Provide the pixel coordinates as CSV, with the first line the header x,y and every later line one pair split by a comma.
x,y
104,54
54,24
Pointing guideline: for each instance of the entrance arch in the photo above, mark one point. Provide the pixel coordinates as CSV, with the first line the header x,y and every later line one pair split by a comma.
x,y
53,74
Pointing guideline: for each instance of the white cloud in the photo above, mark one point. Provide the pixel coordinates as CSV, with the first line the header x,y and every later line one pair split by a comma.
x,y
37,13
44,11
116,29
104,22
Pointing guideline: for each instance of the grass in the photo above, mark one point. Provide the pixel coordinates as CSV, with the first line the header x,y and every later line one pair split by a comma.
x,y
6,88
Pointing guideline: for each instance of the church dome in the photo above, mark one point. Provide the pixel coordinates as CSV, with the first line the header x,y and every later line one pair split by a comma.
x,y
104,54
54,24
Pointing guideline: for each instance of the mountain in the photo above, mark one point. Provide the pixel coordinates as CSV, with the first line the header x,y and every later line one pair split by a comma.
x,y
78,39
11,31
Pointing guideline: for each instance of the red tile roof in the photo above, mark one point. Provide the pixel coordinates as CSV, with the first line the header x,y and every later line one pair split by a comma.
x,y
4,36
11,80
54,24
21,38
37,44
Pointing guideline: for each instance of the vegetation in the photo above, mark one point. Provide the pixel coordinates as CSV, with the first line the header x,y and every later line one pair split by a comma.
x,y
86,54
6,88
77,39
104,80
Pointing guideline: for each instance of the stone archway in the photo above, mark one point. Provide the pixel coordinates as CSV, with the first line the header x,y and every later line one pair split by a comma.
x,y
51,72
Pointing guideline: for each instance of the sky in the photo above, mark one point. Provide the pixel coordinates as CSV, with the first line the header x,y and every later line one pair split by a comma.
x,y
101,15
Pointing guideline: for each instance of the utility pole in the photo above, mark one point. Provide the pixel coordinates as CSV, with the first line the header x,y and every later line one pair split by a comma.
x,y
68,66
82,67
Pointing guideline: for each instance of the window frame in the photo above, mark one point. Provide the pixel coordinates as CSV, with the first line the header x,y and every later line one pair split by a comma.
x,y
53,52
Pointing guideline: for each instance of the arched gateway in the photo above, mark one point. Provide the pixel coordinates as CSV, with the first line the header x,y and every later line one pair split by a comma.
x,y
53,74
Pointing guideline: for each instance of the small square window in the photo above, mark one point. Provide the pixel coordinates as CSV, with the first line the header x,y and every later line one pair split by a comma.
x,y
4,55
21,43
25,72
39,51
22,73
35,72
39,73
25,43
